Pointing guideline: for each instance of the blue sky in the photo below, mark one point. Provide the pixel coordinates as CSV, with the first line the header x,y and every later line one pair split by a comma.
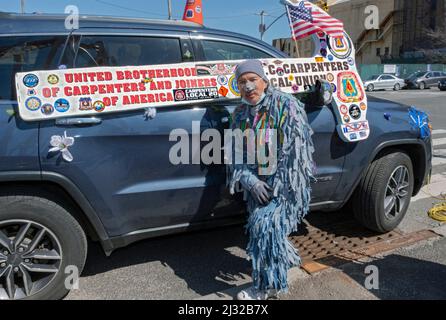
x,y
232,15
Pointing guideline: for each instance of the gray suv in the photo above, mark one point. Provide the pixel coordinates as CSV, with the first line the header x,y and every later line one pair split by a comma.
x,y
121,186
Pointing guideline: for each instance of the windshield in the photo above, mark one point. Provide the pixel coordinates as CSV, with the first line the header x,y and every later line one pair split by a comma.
x,y
416,75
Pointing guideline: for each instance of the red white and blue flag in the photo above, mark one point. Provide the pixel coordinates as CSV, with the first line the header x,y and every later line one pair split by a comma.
x,y
306,19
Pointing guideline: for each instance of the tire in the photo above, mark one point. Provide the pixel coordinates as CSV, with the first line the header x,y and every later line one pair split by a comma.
x,y
397,87
62,236
368,199
422,85
370,87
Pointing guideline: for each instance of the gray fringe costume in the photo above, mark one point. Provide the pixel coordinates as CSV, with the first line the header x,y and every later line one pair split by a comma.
x,y
268,226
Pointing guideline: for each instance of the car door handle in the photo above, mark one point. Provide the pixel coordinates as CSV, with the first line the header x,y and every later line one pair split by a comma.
x,y
78,121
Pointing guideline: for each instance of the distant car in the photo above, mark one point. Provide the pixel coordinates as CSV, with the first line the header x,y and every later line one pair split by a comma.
x,y
424,79
442,85
384,81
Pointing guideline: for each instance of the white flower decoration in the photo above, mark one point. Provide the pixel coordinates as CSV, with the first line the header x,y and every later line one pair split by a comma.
x,y
150,113
61,144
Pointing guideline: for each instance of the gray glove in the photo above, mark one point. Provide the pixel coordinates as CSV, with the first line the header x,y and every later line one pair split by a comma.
x,y
261,192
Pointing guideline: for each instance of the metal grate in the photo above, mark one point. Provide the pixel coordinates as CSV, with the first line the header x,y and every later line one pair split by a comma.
x,y
316,243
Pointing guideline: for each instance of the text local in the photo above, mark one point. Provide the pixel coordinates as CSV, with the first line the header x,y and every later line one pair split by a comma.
x,y
129,75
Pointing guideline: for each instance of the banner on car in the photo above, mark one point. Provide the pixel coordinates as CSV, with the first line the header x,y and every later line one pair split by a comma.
x,y
50,94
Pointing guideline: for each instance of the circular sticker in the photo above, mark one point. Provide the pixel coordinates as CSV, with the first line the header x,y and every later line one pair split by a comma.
x,y
363,106
53,79
33,103
198,9
340,47
291,77
47,109
330,77
62,67
30,80
354,112
280,72
31,92
62,105
233,86
346,119
223,80
179,95
323,44
323,52
333,87
350,61
99,106
330,57
295,88
343,109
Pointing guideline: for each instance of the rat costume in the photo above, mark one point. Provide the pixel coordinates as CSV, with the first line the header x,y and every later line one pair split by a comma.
x,y
269,226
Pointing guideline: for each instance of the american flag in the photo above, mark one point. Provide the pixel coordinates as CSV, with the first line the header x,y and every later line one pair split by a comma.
x,y
306,18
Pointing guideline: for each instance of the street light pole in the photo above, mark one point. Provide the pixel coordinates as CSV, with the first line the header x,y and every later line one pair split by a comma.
x,y
22,6
262,15
169,8
263,28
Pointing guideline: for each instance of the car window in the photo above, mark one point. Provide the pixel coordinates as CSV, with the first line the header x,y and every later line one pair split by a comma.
x,y
126,51
219,50
386,77
21,54
437,74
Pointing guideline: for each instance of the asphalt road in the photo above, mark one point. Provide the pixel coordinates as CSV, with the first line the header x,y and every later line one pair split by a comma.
x,y
189,266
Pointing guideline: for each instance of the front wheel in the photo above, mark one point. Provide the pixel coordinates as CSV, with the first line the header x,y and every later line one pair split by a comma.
x,y
370,87
397,87
383,196
41,244
422,86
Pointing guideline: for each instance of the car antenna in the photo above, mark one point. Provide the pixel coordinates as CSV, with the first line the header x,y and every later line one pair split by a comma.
x,y
65,47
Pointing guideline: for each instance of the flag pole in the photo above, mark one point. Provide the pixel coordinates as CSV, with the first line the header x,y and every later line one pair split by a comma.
x,y
292,33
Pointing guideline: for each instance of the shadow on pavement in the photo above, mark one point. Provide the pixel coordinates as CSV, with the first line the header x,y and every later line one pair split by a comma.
x,y
199,258
402,277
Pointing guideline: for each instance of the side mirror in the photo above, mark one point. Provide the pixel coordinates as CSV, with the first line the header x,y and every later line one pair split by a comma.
x,y
323,92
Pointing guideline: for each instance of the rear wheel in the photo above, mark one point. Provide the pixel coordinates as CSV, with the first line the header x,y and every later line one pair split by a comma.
x,y
397,87
383,196
39,239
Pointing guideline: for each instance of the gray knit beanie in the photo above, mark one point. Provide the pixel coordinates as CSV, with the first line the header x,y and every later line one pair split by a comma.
x,y
254,66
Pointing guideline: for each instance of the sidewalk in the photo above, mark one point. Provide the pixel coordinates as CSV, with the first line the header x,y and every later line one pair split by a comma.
x,y
417,271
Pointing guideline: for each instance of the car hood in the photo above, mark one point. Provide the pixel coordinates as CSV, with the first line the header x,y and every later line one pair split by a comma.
x,y
385,105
